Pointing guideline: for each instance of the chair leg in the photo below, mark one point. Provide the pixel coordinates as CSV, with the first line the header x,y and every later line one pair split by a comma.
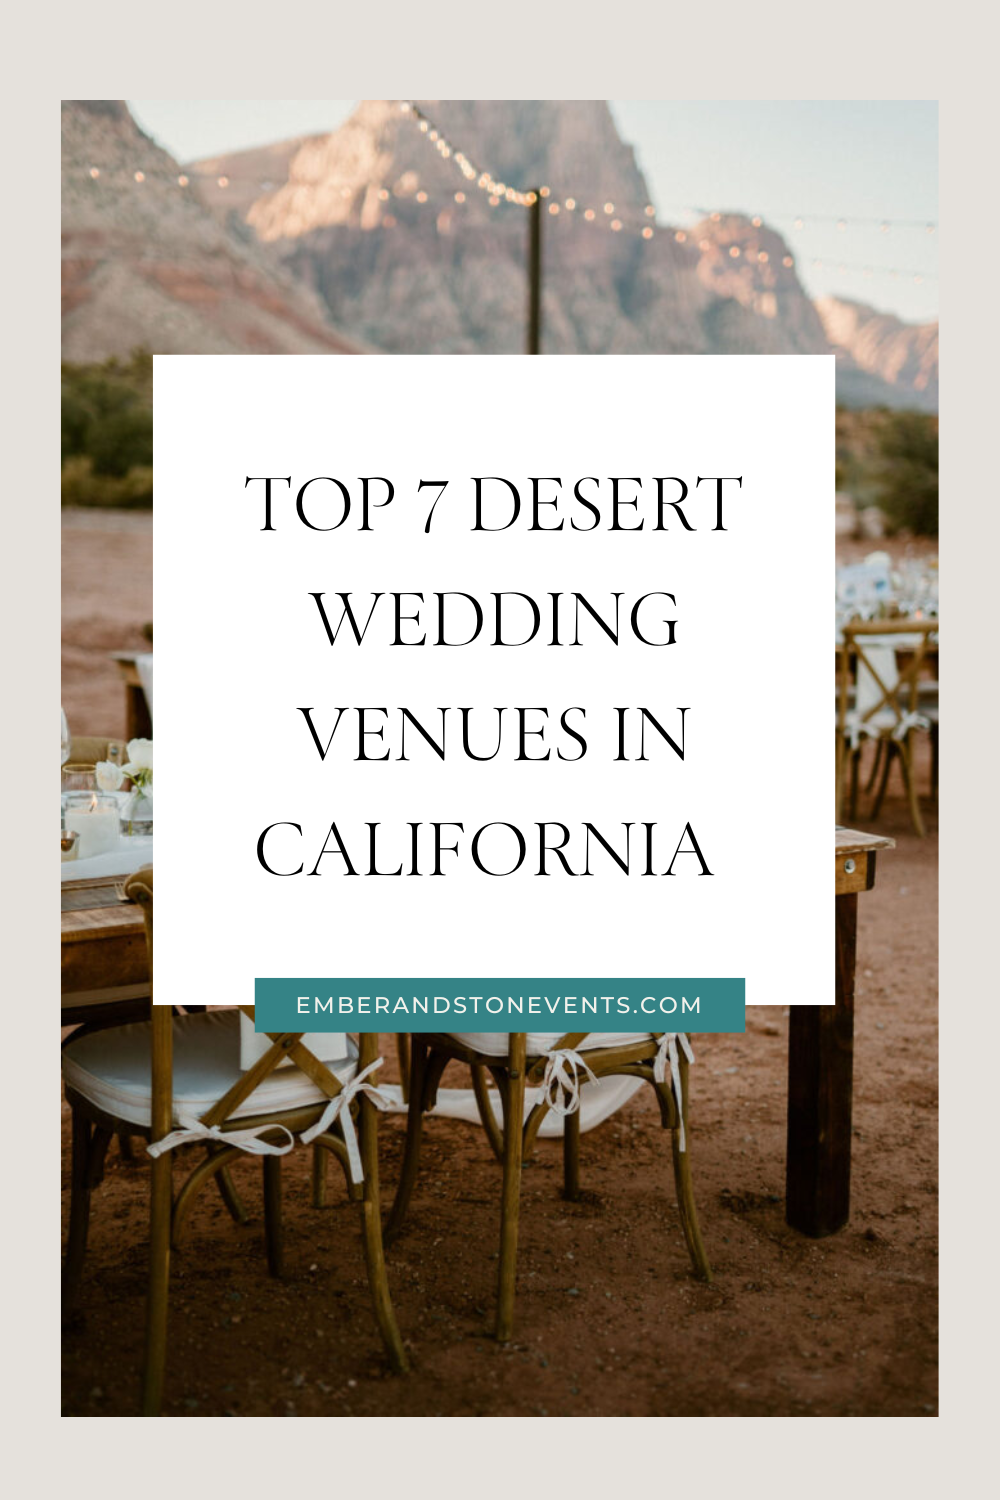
x,y
160,1209
273,1232
688,1211
855,769
414,1136
876,767
488,1119
910,783
571,1156
841,752
879,795
685,1192
79,1208
317,1177
230,1197
371,1225
403,1057
513,1149
934,761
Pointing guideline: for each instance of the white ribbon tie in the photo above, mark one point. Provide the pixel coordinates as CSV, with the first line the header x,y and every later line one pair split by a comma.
x,y
908,721
561,1080
668,1054
250,1141
340,1109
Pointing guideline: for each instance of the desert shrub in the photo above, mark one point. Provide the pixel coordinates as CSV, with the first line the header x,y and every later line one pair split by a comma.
x,y
81,485
890,459
107,432
908,472
121,441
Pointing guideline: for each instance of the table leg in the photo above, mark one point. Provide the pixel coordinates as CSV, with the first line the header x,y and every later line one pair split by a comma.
x,y
820,1081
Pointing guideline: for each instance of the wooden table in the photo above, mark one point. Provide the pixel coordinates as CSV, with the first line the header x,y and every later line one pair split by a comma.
x,y
821,1064
103,945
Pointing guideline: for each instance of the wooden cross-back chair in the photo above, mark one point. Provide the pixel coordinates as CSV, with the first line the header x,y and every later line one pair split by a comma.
x,y
886,706
176,1080
560,1065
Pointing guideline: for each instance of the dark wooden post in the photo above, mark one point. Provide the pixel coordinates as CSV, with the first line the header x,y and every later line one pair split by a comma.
x,y
820,1075
535,275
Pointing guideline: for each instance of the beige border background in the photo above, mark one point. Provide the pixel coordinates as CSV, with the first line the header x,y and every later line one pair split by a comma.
x,y
519,50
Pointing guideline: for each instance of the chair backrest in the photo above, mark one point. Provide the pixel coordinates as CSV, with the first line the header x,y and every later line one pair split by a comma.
x,y
285,1046
88,749
887,688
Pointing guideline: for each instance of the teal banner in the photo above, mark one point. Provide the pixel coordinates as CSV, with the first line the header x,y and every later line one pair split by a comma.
x,y
552,1004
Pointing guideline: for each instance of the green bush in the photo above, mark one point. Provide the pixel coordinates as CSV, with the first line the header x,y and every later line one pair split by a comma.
x,y
107,432
908,472
890,459
82,486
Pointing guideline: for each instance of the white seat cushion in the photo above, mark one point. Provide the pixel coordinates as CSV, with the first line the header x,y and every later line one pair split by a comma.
x,y
112,1069
496,1043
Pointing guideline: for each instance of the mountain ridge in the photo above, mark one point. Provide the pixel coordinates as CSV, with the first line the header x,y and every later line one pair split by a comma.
x,y
145,262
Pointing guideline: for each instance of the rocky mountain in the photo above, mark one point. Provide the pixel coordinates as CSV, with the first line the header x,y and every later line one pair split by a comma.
x,y
409,256
903,355
146,262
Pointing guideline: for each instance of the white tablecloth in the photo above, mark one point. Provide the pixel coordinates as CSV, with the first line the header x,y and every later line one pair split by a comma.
x,y
131,855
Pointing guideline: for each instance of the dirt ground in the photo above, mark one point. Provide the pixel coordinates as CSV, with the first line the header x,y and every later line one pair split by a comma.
x,y
609,1318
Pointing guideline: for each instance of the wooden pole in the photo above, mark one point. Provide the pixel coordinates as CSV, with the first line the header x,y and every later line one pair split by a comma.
x,y
535,275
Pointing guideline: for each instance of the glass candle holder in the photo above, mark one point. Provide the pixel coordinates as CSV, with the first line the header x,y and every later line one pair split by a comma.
x,y
77,777
95,819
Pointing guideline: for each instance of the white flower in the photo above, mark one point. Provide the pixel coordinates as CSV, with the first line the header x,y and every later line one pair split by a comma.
x,y
108,776
140,755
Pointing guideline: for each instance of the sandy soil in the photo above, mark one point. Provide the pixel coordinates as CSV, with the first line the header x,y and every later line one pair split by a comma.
x,y
609,1318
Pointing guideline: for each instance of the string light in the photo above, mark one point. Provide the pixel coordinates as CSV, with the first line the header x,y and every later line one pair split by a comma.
x,y
497,193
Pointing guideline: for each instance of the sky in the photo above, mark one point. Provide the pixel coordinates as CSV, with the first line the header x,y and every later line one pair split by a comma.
x,y
814,161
